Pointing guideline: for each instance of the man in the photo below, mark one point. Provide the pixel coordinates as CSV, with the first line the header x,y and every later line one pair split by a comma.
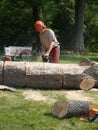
x,y
50,45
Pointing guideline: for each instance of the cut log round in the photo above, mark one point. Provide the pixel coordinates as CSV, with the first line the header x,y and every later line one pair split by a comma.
x,y
75,78
93,72
78,81
70,108
87,83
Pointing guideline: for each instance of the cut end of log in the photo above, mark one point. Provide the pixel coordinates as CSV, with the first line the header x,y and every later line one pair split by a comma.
x,y
60,109
70,108
87,83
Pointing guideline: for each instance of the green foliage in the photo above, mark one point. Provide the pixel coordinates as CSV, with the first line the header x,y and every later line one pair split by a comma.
x,y
64,16
91,22
59,15
16,21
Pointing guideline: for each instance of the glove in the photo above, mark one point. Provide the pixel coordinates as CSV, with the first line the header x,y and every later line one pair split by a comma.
x,y
45,57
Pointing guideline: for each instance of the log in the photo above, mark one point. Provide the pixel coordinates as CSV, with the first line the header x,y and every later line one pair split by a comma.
x,y
78,81
70,108
41,75
4,87
93,72
87,83
86,62
75,78
45,75
14,74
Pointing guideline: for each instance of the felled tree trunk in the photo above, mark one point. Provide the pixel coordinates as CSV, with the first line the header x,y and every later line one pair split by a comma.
x,y
93,72
41,75
78,81
45,75
75,78
14,74
70,108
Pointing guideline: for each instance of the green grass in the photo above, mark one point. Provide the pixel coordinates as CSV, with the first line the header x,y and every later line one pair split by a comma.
x,y
72,58
17,113
64,57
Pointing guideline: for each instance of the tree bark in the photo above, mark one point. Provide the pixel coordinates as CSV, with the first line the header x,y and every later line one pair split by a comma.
x,y
79,23
70,108
14,74
93,72
37,15
47,75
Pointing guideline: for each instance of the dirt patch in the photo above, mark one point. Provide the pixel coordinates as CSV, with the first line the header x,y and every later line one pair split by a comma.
x,y
70,95
37,96
77,95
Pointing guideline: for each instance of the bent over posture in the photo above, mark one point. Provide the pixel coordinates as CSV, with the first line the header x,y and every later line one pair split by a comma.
x,y
50,45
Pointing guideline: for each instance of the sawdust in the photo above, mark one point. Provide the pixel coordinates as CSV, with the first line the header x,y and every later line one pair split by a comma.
x,y
77,95
37,96
34,95
70,95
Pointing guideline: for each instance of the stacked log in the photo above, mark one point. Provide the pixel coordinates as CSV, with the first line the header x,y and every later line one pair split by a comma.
x,y
46,75
70,108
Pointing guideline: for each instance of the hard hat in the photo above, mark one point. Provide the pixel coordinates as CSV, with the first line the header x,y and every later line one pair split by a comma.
x,y
39,23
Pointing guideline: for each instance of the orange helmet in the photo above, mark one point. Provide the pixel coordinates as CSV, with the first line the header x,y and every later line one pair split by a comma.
x,y
39,24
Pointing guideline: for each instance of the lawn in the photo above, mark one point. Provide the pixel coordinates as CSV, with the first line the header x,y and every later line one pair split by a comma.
x,y
73,58
29,109
20,112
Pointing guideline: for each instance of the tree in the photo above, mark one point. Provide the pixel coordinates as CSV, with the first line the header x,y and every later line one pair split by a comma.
x,y
17,20
91,25
79,24
15,23
63,21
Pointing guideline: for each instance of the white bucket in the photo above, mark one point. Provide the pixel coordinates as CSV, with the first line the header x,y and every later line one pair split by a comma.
x,y
7,50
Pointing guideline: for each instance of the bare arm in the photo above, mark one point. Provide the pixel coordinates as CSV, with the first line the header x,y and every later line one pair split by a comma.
x,y
50,48
43,48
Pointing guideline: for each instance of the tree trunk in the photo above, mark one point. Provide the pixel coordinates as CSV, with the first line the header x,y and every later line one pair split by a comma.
x,y
78,81
14,74
74,77
79,23
47,75
43,75
70,108
1,71
37,15
93,72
